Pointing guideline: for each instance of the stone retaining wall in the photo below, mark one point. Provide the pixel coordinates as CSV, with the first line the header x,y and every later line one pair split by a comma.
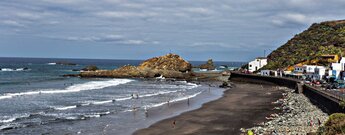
x,y
327,103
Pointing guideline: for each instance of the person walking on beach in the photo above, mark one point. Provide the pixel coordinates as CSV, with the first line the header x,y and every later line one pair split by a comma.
x,y
168,101
146,113
173,124
188,101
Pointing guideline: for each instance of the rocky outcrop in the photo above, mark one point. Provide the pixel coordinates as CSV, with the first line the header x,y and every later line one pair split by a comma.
x,y
90,68
170,66
208,65
168,62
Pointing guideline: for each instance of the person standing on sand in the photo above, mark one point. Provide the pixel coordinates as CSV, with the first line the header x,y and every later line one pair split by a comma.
x,y
174,124
146,113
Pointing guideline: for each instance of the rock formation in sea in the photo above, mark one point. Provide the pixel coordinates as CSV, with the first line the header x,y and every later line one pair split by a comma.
x,y
170,65
90,68
168,62
208,65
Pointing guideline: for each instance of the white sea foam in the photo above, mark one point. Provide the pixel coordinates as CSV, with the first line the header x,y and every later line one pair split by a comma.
x,y
13,69
185,98
51,63
7,69
158,93
101,102
92,115
172,101
124,98
93,85
65,107
8,119
20,69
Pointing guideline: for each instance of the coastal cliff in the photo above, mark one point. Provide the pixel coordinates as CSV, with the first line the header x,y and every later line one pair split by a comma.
x,y
325,38
170,65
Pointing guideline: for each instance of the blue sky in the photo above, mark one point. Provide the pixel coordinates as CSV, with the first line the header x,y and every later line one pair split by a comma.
x,y
225,30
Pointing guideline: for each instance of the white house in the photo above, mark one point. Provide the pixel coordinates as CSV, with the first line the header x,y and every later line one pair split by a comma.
x,y
299,69
256,64
337,68
268,73
319,73
309,71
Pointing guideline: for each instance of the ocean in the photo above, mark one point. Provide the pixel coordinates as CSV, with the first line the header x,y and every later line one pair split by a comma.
x,y
36,99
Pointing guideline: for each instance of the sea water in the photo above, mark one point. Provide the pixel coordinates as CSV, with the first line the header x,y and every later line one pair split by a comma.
x,y
36,99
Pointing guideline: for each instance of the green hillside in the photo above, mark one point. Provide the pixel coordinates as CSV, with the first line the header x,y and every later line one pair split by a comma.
x,y
320,38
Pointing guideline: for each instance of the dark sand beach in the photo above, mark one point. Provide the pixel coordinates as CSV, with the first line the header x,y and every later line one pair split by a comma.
x,y
240,107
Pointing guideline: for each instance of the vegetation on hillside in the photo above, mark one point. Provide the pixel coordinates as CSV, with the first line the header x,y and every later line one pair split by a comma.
x,y
319,39
335,125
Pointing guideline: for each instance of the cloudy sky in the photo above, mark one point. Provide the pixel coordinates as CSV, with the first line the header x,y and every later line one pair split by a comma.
x,y
225,30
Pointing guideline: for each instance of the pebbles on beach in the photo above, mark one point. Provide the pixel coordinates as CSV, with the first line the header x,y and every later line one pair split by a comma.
x,y
298,116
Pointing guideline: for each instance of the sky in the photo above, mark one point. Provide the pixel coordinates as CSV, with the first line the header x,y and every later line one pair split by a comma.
x,y
224,30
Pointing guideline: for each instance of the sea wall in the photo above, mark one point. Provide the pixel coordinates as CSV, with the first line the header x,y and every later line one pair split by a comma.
x,y
250,78
326,102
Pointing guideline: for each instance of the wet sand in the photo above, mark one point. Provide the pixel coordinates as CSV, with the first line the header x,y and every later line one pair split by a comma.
x,y
240,107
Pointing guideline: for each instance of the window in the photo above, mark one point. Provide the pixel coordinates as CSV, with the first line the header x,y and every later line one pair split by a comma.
x,y
250,65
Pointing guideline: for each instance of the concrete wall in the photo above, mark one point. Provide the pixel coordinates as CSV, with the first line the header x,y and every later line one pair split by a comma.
x,y
290,83
323,101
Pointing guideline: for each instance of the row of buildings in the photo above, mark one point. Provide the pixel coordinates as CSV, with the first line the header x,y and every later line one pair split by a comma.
x,y
309,70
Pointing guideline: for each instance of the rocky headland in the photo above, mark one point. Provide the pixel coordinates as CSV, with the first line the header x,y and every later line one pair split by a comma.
x,y
170,66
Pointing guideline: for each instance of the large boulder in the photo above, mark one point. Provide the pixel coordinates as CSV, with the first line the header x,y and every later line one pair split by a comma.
x,y
208,65
170,61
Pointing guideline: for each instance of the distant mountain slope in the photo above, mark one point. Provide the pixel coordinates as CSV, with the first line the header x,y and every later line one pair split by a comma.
x,y
319,39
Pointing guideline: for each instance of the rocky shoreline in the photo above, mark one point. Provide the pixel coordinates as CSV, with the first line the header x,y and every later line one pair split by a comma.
x,y
297,116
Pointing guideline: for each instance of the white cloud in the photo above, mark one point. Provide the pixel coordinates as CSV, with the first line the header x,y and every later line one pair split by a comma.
x,y
106,38
122,14
199,10
295,17
27,15
133,42
291,19
109,38
223,24
12,23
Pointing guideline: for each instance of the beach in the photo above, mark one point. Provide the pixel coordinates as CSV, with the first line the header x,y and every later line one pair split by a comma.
x,y
242,106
